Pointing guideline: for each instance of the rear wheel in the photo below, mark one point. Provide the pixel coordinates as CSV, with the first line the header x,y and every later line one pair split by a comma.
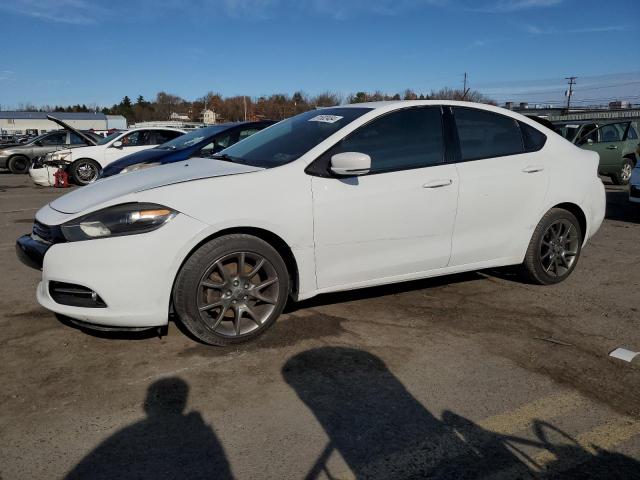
x,y
554,248
18,164
84,171
623,176
231,290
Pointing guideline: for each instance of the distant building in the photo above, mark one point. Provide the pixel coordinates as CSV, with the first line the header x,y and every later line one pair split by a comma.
x,y
37,122
208,117
619,104
179,117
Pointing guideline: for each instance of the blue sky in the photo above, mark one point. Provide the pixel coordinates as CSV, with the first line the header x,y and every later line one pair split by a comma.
x,y
95,52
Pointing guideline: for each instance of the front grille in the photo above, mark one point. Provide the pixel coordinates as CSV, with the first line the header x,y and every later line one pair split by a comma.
x,y
75,295
634,191
43,231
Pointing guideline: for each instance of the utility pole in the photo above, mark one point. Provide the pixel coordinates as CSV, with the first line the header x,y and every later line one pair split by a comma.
x,y
569,92
465,90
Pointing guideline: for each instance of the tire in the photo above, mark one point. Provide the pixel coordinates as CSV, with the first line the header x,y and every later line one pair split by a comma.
x,y
84,171
624,174
552,254
18,164
217,306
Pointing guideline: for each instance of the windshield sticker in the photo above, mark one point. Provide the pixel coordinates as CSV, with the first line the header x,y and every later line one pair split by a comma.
x,y
325,118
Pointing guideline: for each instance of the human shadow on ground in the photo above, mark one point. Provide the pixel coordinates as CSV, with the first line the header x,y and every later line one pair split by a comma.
x,y
167,444
382,431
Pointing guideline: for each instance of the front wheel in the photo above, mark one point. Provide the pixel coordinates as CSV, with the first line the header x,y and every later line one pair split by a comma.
x,y
18,164
554,248
84,171
231,290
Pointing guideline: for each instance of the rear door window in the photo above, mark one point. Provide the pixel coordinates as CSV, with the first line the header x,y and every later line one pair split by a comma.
x,y
485,134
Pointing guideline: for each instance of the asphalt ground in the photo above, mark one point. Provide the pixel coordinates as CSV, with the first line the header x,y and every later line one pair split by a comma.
x,y
467,376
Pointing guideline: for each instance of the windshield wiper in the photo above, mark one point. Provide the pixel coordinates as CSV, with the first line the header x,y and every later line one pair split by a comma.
x,y
226,158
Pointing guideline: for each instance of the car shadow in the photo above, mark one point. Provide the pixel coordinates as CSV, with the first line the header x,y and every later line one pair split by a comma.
x,y
112,334
381,430
382,290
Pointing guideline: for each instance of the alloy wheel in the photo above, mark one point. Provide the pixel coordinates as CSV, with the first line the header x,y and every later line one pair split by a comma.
x,y
559,248
237,294
625,174
86,172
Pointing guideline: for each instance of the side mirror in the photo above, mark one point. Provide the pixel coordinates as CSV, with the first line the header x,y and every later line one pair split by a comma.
x,y
348,164
39,143
117,144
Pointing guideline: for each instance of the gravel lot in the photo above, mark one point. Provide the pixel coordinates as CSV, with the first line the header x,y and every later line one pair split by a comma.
x,y
452,378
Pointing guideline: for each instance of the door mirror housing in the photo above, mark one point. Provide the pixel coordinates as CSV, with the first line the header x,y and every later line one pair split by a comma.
x,y
117,144
349,164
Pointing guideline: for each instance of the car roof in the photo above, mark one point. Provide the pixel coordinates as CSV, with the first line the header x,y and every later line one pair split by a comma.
x,y
400,103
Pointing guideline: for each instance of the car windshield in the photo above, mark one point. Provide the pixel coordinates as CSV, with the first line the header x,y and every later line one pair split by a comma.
x,y
192,138
288,140
107,139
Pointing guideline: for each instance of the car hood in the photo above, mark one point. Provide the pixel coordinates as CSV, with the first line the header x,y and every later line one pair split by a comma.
x,y
109,189
88,140
146,156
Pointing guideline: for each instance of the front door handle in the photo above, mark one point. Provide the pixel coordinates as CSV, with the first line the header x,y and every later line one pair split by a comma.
x,y
612,147
438,183
533,169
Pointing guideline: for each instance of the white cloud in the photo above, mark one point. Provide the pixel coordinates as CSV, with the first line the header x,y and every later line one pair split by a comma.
x,y
76,12
503,6
535,30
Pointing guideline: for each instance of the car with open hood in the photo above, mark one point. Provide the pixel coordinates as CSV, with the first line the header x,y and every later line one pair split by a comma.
x,y
18,157
85,164
201,142
333,199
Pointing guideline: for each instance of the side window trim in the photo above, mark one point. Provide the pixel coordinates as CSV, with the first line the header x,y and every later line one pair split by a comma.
x,y
320,166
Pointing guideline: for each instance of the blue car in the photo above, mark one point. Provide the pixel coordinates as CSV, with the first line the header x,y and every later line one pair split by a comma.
x,y
202,142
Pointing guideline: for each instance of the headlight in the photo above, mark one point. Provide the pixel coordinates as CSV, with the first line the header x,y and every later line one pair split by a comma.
x,y
139,166
125,219
54,156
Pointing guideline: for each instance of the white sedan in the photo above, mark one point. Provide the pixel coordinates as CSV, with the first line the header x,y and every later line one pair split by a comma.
x,y
334,199
85,163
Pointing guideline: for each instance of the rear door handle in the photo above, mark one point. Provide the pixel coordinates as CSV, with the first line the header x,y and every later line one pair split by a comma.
x,y
612,147
438,183
533,169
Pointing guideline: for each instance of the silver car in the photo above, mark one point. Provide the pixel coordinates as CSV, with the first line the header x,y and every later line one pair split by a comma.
x,y
18,158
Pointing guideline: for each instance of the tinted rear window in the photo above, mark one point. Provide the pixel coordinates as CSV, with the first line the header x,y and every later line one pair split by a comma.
x,y
485,134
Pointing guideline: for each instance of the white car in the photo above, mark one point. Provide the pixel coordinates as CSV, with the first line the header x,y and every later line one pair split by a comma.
x,y
85,163
333,199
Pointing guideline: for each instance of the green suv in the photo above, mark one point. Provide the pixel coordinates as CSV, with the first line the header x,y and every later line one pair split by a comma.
x,y
616,144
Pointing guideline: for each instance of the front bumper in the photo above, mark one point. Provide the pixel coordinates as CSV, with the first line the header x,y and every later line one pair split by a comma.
x,y
31,252
133,274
